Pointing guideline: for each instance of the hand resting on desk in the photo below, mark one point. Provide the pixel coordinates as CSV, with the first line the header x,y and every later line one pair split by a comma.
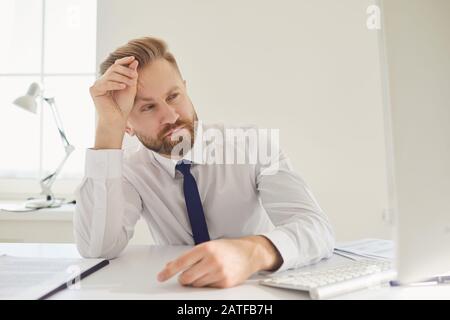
x,y
223,263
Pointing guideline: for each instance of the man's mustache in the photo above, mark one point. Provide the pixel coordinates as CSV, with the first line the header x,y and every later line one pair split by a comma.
x,y
172,126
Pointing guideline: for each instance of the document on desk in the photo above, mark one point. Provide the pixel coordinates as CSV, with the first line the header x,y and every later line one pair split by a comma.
x,y
367,248
39,278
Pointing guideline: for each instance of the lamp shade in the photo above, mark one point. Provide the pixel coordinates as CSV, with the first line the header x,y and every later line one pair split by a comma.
x,y
28,101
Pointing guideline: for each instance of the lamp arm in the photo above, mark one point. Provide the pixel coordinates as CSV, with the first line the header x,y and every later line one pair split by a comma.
x,y
58,121
47,182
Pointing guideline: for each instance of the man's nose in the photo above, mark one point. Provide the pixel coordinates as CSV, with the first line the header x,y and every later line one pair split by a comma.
x,y
169,114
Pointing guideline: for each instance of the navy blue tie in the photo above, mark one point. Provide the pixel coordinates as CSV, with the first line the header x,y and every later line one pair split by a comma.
x,y
193,204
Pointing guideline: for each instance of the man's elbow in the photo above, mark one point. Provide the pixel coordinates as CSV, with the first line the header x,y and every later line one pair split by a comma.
x,y
83,249
86,251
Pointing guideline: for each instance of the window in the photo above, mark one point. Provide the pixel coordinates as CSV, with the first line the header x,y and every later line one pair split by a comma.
x,y
51,42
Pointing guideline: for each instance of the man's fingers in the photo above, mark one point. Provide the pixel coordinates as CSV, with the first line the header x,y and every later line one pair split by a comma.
x,y
105,86
113,85
222,283
120,78
206,280
124,60
182,263
125,71
195,272
134,65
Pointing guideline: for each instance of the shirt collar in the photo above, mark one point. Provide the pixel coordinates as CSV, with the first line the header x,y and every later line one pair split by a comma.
x,y
195,155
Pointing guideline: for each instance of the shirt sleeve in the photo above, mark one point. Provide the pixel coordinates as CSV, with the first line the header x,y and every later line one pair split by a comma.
x,y
107,206
303,234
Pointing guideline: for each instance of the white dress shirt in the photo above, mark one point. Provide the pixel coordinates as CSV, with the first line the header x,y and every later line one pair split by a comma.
x,y
238,200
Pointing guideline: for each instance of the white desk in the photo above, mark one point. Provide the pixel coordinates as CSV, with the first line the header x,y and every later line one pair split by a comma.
x,y
133,276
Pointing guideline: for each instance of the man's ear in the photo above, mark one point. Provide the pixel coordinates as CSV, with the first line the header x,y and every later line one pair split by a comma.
x,y
129,129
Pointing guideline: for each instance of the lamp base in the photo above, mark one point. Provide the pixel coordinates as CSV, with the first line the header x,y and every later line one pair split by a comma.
x,y
43,202
33,204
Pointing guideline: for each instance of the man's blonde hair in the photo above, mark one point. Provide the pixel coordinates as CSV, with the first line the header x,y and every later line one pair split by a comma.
x,y
145,50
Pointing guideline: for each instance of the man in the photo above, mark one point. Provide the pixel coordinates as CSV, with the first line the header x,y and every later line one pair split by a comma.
x,y
242,217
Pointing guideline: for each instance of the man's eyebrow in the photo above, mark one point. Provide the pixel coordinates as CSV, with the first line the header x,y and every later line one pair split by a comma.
x,y
149,99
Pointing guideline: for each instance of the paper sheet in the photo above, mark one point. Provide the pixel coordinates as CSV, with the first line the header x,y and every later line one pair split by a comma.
x,y
32,278
368,248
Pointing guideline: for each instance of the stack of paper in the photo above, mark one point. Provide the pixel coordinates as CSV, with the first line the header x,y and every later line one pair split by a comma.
x,y
366,249
39,278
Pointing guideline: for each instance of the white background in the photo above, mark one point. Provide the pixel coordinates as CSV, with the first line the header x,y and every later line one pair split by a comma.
x,y
309,68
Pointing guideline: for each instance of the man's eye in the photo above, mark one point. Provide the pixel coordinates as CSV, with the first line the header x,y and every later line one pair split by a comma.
x,y
172,96
149,107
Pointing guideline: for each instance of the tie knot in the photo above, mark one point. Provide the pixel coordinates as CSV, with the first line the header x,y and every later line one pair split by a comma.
x,y
183,166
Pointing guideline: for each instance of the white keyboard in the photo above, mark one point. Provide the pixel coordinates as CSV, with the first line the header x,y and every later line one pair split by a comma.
x,y
330,282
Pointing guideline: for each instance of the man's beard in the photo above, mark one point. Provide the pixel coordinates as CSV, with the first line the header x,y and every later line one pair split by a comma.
x,y
165,145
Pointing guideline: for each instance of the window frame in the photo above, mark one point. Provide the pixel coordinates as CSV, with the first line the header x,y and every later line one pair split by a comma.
x,y
21,188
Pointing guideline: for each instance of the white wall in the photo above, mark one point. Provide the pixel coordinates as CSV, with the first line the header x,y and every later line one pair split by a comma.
x,y
310,68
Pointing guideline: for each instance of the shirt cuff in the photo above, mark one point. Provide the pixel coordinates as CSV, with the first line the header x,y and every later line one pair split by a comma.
x,y
285,246
103,164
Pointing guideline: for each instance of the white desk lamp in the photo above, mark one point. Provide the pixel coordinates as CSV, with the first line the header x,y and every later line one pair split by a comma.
x,y
28,103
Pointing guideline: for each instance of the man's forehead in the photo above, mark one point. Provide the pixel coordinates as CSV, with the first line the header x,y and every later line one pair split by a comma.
x,y
156,79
